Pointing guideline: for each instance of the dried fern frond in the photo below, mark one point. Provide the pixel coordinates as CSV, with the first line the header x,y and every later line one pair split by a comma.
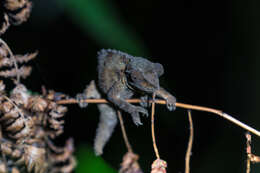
x,y
14,12
5,23
28,123
5,61
25,58
14,4
24,72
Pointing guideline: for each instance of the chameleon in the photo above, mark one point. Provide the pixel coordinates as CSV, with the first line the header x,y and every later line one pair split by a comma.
x,y
121,75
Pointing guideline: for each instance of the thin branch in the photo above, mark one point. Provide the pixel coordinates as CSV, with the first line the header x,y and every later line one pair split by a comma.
x,y
180,105
188,152
248,152
128,145
152,129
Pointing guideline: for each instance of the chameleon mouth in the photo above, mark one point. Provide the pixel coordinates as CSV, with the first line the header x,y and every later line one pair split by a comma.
x,y
146,88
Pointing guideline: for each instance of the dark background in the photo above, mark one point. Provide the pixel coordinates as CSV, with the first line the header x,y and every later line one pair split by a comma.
x,y
210,53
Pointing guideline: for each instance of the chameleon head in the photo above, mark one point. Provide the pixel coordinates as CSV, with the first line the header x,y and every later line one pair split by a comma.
x,y
144,75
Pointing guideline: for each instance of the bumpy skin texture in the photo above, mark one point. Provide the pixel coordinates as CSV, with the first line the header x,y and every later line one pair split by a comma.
x,y
122,75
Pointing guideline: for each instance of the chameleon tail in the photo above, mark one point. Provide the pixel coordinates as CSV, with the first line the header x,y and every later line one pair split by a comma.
x,y
106,126
107,118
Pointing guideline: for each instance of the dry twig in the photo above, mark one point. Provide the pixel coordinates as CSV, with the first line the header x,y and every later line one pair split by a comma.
x,y
188,153
128,145
250,157
180,105
152,129
248,151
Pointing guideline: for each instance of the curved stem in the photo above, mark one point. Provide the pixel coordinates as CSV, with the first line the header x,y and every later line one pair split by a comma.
x,y
13,59
128,146
152,129
188,152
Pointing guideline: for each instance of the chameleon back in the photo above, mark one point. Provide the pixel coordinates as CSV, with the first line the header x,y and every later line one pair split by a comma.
x,y
111,64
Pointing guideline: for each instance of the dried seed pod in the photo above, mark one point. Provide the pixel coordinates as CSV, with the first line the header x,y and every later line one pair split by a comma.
x,y
130,164
159,166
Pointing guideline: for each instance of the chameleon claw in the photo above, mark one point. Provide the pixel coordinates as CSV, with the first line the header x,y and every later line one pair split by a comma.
x,y
80,98
171,103
137,120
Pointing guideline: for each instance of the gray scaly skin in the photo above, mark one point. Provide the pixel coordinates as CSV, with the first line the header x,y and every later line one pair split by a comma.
x,y
121,75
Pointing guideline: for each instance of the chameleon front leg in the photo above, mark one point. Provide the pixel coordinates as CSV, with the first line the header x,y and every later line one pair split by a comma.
x,y
170,99
117,95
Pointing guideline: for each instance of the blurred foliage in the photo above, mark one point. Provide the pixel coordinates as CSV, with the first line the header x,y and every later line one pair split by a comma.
x,y
88,162
101,21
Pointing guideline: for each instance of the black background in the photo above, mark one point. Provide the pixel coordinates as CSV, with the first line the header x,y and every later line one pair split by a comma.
x,y
209,50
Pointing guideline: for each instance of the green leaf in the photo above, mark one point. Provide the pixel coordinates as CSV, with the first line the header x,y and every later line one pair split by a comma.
x,y
100,20
88,162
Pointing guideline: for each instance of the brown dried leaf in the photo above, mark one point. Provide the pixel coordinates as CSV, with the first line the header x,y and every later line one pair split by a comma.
x,y
25,58
26,131
70,166
35,159
4,25
3,168
66,153
20,95
37,104
22,15
6,62
6,147
2,86
6,107
65,168
17,125
15,4
13,114
15,170
254,158
24,72
130,164
159,166
58,112
3,51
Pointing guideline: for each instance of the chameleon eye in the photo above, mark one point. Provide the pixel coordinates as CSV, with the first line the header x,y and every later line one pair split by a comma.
x,y
135,76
